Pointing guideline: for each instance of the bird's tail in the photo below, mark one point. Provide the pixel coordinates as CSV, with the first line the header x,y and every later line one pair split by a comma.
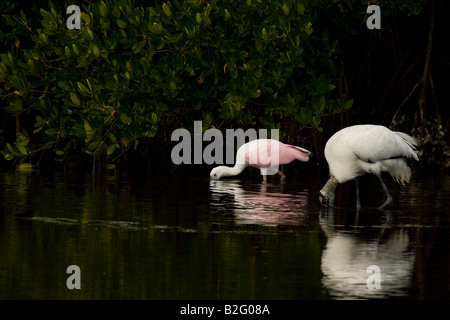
x,y
411,142
299,153
399,170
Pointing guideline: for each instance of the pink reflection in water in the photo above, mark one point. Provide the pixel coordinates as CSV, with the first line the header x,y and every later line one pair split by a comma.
x,y
264,204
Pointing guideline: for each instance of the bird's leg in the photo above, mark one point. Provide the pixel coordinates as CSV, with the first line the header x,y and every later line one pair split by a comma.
x,y
389,198
358,202
282,175
264,178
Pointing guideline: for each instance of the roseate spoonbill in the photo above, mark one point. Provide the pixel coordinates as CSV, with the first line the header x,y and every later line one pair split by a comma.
x,y
269,206
265,154
360,149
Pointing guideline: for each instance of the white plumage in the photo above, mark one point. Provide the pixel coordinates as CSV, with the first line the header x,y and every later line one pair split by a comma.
x,y
360,149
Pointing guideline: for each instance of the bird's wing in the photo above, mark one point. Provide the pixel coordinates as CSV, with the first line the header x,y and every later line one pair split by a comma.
x,y
263,153
408,139
378,144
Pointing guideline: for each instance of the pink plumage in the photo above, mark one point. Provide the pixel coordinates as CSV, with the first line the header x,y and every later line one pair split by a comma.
x,y
293,152
265,154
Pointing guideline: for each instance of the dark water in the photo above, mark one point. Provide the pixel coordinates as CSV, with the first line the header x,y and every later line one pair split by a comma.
x,y
186,237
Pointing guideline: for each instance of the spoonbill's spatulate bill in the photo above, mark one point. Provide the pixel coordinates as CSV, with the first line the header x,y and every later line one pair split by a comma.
x,y
360,149
265,154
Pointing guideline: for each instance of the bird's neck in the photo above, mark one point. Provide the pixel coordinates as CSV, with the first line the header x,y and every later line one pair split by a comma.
x,y
233,171
328,190
331,184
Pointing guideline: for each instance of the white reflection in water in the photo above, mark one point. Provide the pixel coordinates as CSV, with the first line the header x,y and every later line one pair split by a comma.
x,y
347,256
265,204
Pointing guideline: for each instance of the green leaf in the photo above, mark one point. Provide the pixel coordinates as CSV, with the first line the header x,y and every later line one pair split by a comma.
x,y
67,51
46,15
93,146
128,66
154,118
198,17
125,119
87,127
10,147
110,150
138,47
154,27
96,51
122,24
227,14
316,120
22,150
301,9
264,34
308,28
83,88
51,131
90,133
38,129
103,9
75,49
85,18
167,10
348,104
89,84
90,33
75,99
113,138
